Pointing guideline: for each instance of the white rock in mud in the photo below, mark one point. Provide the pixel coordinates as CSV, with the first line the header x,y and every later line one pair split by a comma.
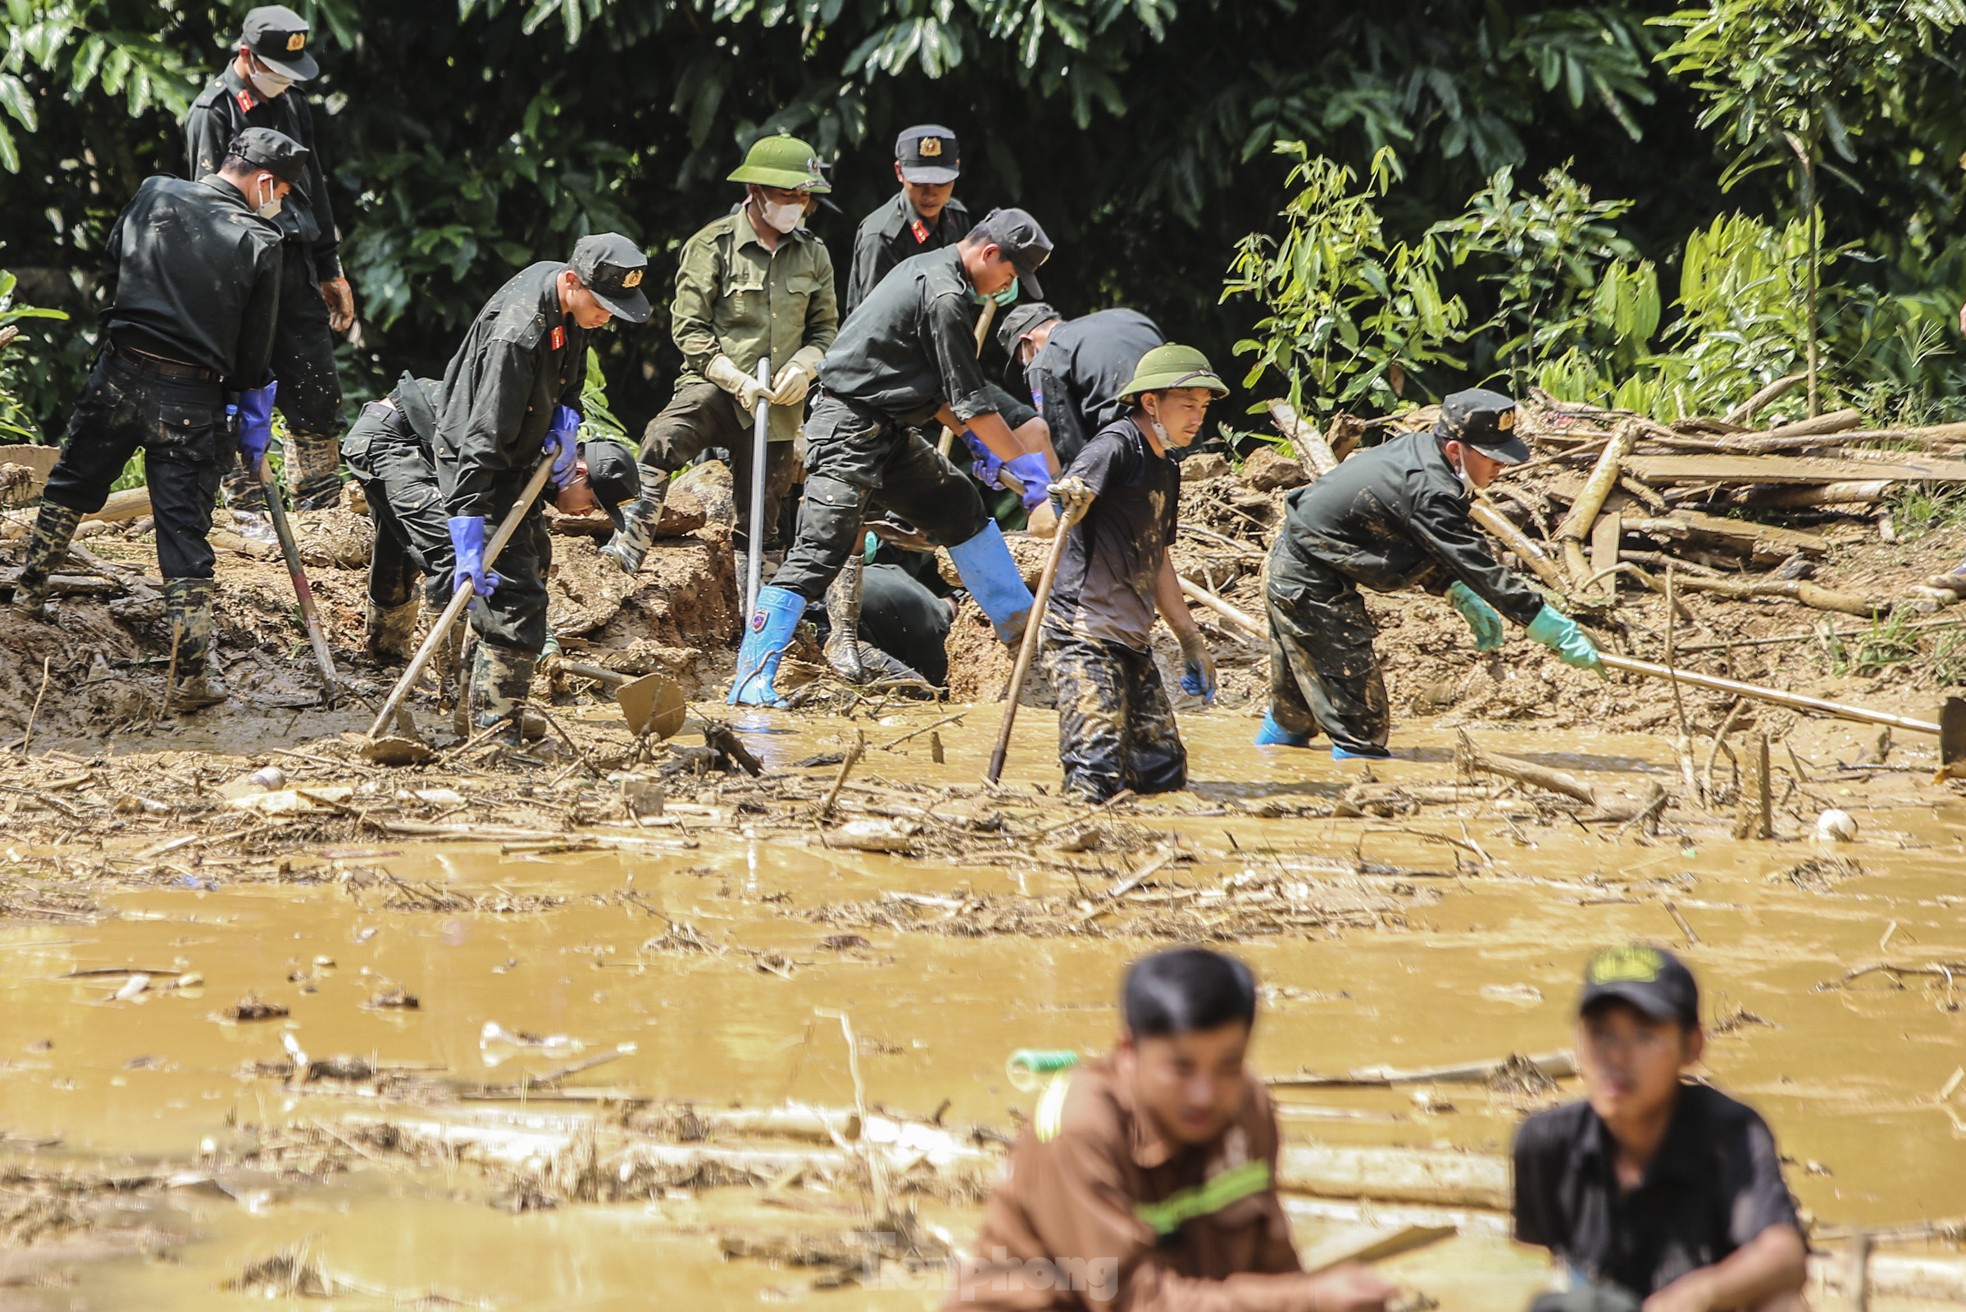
x,y
1836,826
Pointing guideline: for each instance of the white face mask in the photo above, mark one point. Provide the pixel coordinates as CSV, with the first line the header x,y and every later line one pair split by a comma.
x,y
782,216
269,84
270,205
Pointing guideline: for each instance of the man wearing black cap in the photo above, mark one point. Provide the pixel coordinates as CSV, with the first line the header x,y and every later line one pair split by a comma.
x,y
1076,368
511,395
256,90
908,356
1652,1191
1394,516
192,276
925,216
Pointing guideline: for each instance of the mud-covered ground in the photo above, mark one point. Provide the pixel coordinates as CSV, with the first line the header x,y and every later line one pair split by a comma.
x,y
564,1027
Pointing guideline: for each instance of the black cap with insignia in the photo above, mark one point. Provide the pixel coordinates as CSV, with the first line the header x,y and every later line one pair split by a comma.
x,y
1485,420
1027,318
1022,242
613,474
611,267
278,36
1648,978
927,153
276,152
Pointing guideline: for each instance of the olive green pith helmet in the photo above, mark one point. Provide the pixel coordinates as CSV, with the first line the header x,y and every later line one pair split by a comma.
x,y
1173,366
783,161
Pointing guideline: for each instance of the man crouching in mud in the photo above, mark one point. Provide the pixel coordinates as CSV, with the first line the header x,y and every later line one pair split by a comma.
x,y
1392,517
1146,1181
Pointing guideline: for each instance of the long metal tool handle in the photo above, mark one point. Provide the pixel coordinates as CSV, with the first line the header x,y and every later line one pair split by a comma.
x,y
331,683
948,442
1030,644
461,598
754,565
1841,710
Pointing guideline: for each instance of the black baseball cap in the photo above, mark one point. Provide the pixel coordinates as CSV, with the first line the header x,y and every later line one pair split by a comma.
x,y
612,267
612,473
278,36
1022,241
276,152
928,153
1484,420
1650,979
1027,317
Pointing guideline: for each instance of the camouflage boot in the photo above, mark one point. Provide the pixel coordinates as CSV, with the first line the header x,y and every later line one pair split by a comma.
x,y
188,604
243,492
630,546
389,632
54,529
314,467
501,677
843,617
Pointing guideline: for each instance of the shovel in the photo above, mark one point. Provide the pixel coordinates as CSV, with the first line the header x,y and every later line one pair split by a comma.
x,y
754,558
398,749
1951,726
284,530
651,703
1029,647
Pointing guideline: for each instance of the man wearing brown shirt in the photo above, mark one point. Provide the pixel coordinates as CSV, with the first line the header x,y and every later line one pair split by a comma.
x,y
1146,1181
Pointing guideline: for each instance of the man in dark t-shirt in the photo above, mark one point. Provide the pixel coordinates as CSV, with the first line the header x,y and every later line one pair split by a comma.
x,y
1115,726
1652,1191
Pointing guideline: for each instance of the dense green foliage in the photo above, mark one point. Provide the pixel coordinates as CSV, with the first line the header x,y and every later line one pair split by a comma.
x,y
466,140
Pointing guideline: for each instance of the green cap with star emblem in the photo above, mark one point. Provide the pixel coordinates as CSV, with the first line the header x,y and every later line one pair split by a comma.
x,y
783,161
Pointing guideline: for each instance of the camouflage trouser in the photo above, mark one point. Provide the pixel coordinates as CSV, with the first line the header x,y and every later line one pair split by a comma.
x,y
1115,726
1323,671
701,416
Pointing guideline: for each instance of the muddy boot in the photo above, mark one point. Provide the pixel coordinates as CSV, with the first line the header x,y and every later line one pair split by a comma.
x,y
188,606
389,632
314,466
630,546
500,679
843,616
243,493
54,529
881,667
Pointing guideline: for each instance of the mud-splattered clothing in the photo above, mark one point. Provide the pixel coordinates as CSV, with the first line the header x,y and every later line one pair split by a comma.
x,y
1101,1211
894,233
1323,671
911,347
700,417
1115,725
388,450
907,621
1106,578
1075,380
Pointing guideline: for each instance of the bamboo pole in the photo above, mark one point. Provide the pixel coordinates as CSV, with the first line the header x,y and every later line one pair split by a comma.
x,y
1577,525
1498,525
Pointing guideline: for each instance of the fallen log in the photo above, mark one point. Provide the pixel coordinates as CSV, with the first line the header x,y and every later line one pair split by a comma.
x,y
1313,452
1774,391
1809,594
1499,526
1604,806
131,503
1730,469
1552,1065
1823,494
1577,525
1836,421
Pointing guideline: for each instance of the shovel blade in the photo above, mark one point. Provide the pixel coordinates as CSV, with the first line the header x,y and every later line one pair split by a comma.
x,y
1952,739
394,749
652,704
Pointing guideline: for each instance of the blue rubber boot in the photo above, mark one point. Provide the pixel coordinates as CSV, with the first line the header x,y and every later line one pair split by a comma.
x,y
765,639
1273,734
1360,753
992,578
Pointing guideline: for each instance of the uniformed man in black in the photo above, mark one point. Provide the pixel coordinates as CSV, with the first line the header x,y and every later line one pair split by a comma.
x,y
908,356
1075,368
512,395
191,272
1392,517
1653,1191
924,216
258,89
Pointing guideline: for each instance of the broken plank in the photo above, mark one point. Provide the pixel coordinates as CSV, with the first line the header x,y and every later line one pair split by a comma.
x,y
1677,470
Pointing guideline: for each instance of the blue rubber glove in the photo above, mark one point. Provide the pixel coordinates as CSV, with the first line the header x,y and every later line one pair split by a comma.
x,y
1198,672
1561,635
1035,474
468,546
986,464
1481,617
560,444
256,422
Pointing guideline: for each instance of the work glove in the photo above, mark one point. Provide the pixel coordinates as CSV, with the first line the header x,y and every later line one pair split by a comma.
x,y
1481,617
723,371
791,384
1074,498
1032,471
340,299
561,445
468,546
1198,678
256,422
1561,635
986,464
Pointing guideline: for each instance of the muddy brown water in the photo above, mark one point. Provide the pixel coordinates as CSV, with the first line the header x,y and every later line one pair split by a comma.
x,y
1480,964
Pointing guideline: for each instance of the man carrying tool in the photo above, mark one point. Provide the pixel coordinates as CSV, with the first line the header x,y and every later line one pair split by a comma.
x,y
1652,1191
1075,368
1146,1181
752,285
192,275
924,216
512,395
908,356
1115,727
257,90
1391,517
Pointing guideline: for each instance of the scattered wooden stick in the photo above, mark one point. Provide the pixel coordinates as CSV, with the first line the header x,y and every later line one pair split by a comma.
x,y
853,755
1553,1065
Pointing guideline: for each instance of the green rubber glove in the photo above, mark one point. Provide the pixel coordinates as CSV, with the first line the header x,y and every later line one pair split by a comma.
x,y
1561,635
1481,617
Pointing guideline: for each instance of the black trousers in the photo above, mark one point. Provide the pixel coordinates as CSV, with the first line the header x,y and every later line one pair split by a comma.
x,y
1115,725
412,532
701,416
178,424
905,620
1323,671
303,349
854,457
